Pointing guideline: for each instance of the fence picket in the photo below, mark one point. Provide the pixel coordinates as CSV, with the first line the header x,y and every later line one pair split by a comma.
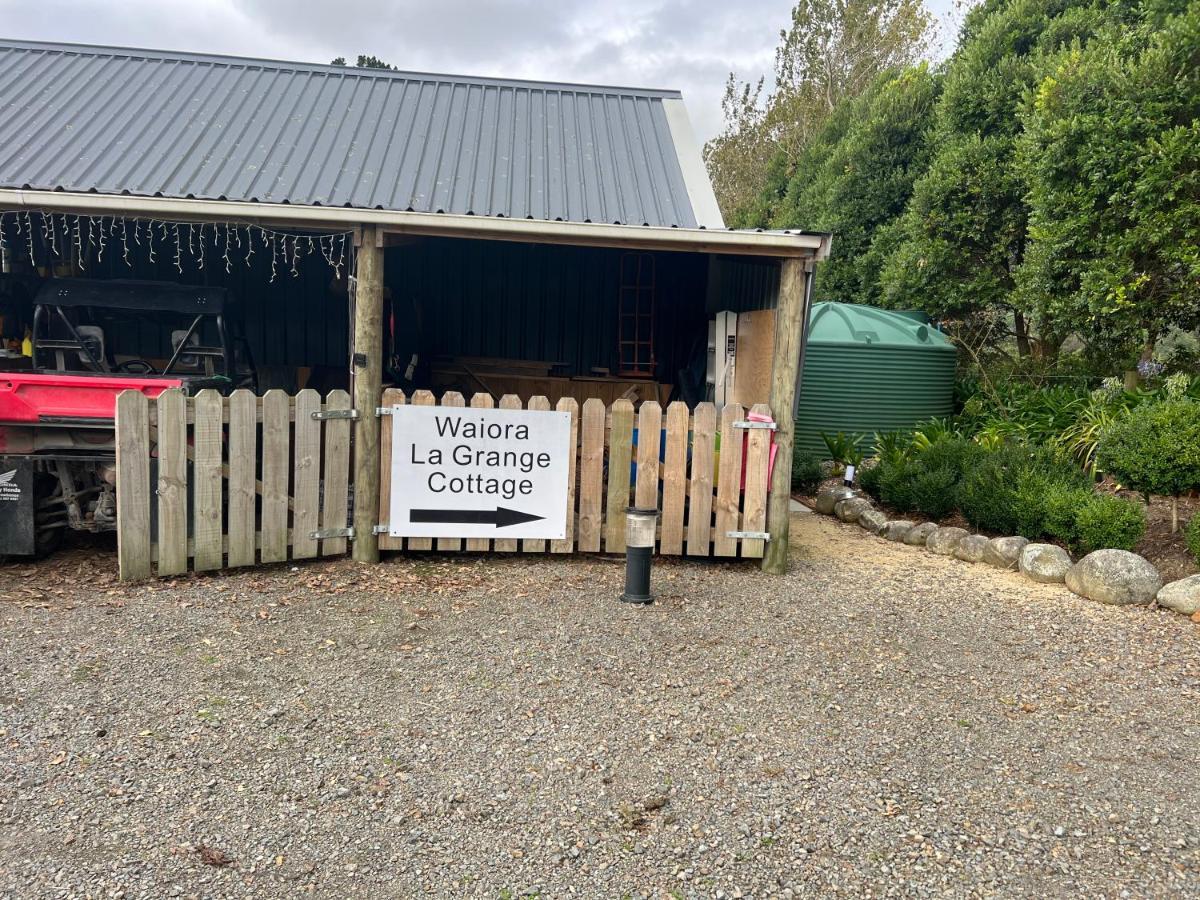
x,y
507,545
243,447
591,476
306,474
391,397
421,398
729,485
133,485
754,506
649,440
207,478
275,440
566,544
534,545
674,479
481,401
700,499
172,531
451,399
620,454
335,509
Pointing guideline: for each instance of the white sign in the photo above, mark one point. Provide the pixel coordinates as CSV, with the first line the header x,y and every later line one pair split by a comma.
x,y
479,473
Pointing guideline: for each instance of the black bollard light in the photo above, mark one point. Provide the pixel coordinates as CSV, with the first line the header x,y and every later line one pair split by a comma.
x,y
639,548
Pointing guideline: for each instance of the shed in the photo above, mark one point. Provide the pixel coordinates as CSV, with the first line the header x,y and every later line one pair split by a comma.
x,y
530,242
869,370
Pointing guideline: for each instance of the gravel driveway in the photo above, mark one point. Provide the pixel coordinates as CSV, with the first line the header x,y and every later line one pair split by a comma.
x,y
880,721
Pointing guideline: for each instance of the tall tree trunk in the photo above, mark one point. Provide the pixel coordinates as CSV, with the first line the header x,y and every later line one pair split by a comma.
x,y
1021,327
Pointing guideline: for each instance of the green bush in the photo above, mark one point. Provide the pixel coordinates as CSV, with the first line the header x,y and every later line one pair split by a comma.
x,y
934,492
1006,489
895,485
868,478
1108,522
806,470
1155,449
956,454
1060,506
1191,537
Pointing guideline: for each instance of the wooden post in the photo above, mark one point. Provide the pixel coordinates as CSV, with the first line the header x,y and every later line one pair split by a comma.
x,y
366,366
785,370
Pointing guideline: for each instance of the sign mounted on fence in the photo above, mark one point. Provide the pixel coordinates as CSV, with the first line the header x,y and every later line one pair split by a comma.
x,y
479,473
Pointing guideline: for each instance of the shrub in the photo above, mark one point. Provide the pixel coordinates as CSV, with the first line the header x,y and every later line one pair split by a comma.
x,y
1155,449
1005,490
844,450
895,485
1191,537
1108,522
954,453
806,470
1060,506
934,492
868,478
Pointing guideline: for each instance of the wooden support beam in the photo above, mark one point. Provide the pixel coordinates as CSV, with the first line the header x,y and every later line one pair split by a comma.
x,y
367,369
790,314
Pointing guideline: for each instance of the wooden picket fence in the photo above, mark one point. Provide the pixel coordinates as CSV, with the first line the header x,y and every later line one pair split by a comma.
x,y
696,518
240,479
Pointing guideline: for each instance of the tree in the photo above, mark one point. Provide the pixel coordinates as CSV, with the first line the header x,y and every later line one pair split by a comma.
x,y
1111,152
364,62
832,50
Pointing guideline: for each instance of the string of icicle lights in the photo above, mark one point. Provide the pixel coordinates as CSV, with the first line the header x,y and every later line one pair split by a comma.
x,y
202,242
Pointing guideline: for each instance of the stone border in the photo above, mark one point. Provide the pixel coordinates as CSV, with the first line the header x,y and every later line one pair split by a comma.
x,y
1117,577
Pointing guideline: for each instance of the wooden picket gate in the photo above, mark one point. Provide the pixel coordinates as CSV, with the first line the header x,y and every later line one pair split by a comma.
x,y
240,479
696,518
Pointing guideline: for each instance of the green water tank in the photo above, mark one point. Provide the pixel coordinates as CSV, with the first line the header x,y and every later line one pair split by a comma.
x,y
869,370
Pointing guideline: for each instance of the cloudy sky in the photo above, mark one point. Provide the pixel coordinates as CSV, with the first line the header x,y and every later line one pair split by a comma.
x,y
687,44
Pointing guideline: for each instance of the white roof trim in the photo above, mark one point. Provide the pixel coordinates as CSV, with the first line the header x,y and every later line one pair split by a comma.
x,y
695,175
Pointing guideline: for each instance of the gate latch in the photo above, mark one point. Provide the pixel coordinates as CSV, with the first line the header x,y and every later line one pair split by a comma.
x,y
769,426
749,535
322,534
335,414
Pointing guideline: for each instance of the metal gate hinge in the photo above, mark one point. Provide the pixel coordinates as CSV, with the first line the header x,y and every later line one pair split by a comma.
x,y
379,529
322,534
768,426
335,414
749,535
383,410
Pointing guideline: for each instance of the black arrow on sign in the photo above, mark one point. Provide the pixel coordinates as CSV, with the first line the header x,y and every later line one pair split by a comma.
x,y
501,516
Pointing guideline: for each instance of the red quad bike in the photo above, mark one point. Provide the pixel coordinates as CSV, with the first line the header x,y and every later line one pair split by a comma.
x,y
57,438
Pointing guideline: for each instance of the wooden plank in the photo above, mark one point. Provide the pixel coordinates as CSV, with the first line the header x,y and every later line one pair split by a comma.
x,y
645,493
729,483
133,485
422,398
172,537
591,475
481,401
754,503
275,470
533,545
620,453
367,300
243,491
790,315
451,399
567,543
674,480
207,518
335,491
700,490
507,545
391,397
306,475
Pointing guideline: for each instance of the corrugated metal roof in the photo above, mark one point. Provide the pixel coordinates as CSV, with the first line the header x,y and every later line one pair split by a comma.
x,y
150,123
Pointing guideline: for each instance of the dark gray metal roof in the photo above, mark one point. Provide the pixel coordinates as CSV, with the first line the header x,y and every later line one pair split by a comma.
x,y
150,123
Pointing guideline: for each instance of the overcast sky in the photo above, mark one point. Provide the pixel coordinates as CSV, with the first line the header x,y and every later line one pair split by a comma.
x,y
687,44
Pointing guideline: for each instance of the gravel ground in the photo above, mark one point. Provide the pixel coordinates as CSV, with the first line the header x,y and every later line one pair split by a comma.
x,y
879,722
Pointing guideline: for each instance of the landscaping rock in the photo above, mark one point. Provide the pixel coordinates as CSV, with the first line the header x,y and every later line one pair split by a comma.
x,y
1004,552
971,548
1046,563
850,510
872,520
896,530
944,541
829,498
1183,595
919,534
1115,576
